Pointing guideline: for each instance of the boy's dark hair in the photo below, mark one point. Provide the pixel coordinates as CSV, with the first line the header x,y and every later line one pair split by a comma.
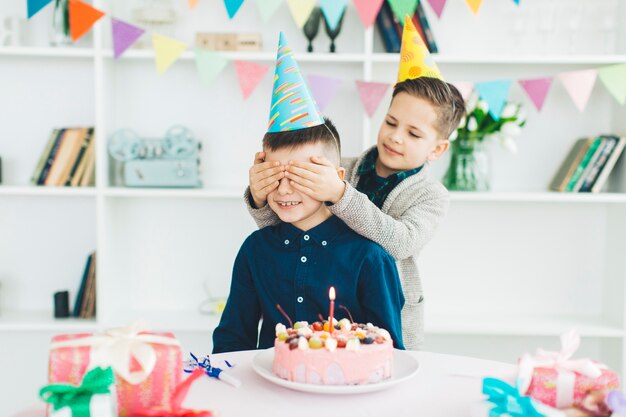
x,y
445,98
326,134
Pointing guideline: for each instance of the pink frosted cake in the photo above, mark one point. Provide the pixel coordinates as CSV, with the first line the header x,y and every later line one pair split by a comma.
x,y
353,354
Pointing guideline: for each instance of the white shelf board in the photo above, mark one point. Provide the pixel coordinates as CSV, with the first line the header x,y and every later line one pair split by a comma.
x,y
513,59
120,192
46,52
43,321
189,55
518,325
539,197
36,191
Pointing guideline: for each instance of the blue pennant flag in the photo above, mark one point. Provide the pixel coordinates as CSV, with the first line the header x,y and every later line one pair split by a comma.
x,y
495,94
35,5
232,7
333,9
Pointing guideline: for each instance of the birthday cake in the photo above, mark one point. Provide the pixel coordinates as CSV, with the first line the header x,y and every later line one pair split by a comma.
x,y
348,354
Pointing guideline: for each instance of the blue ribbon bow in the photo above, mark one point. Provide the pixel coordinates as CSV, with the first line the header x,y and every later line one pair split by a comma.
x,y
508,401
211,371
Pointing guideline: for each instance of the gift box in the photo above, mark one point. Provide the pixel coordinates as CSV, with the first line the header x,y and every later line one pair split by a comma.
x,y
94,397
555,379
147,366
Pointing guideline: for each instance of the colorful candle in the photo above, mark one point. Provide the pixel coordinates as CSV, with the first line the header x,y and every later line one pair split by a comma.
x,y
331,295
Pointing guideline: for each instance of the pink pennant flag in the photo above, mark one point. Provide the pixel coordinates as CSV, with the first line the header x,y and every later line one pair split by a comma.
x,y
371,95
437,6
249,75
465,88
537,89
323,89
124,35
579,85
368,10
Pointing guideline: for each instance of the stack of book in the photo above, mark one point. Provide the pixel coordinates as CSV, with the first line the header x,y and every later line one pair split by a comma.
x,y
588,164
390,28
85,305
68,159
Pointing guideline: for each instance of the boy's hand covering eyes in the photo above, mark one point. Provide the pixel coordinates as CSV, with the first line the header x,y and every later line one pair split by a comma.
x,y
264,178
318,179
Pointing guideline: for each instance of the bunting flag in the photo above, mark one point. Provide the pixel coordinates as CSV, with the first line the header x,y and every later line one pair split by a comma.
x,y
192,3
210,64
323,89
249,75
579,85
167,51
474,5
82,18
124,35
34,6
415,60
465,88
232,7
495,94
614,79
537,90
371,95
267,8
402,8
368,10
333,10
301,10
437,6
516,2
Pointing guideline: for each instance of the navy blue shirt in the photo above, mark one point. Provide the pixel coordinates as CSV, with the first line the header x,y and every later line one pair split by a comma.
x,y
284,265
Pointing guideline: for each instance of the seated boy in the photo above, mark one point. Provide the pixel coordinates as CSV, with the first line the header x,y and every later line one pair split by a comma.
x,y
293,263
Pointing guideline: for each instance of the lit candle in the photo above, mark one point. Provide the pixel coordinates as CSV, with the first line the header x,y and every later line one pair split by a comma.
x,y
331,295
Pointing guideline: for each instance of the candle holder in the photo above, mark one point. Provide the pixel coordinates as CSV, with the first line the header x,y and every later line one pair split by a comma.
x,y
333,33
312,26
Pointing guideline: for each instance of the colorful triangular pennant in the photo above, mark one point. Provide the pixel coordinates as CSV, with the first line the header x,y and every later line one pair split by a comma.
x,y
579,85
34,6
232,7
323,89
333,10
267,8
192,3
371,94
124,35
301,10
368,10
82,18
614,79
537,90
495,94
210,64
437,6
249,75
167,51
516,2
465,88
402,8
474,5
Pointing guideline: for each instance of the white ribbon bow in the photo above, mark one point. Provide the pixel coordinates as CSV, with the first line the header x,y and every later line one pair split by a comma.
x,y
566,367
117,347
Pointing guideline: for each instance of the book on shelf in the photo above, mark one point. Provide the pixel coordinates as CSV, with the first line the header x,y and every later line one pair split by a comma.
x,y
587,166
66,159
387,29
85,304
424,28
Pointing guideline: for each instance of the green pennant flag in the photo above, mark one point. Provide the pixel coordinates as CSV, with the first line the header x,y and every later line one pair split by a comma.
x,y
401,8
210,64
267,8
614,79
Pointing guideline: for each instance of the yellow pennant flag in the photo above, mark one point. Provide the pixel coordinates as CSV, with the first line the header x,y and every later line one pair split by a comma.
x,y
301,10
474,5
167,51
192,3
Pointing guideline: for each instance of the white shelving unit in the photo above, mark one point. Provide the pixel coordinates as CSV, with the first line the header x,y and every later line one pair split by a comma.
x,y
507,272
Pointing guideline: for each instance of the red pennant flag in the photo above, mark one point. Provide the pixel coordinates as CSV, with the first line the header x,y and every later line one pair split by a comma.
x,y
368,10
371,95
249,75
82,18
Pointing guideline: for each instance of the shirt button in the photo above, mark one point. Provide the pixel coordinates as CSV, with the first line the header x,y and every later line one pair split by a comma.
x,y
300,299
324,243
286,241
303,259
306,237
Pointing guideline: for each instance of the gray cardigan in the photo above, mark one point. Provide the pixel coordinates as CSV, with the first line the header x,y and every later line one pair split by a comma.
x,y
408,220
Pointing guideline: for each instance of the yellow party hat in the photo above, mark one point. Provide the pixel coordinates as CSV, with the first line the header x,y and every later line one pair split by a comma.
x,y
415,60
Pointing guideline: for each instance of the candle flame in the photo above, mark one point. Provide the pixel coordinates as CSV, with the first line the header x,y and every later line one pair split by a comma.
x,y
331,293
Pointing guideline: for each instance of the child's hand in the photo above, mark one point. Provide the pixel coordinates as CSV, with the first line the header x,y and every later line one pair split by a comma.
x,y
264,178
319,180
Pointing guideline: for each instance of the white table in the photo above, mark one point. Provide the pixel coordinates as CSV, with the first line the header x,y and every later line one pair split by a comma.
x,y
446,385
